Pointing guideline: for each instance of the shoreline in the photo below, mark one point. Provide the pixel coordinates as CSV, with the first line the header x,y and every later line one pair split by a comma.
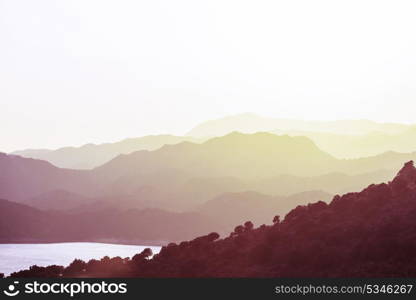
x,y
11,266
97,241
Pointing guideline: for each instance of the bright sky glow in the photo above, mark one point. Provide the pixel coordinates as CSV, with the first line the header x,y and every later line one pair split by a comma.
x,y
73,72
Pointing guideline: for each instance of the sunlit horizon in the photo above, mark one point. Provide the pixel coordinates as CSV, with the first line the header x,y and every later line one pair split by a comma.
x,y
76,72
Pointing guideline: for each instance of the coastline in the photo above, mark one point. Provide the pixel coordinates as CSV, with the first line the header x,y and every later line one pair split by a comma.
x,y
98,241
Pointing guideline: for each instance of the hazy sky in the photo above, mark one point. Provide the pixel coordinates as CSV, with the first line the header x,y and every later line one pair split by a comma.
x,y
73,72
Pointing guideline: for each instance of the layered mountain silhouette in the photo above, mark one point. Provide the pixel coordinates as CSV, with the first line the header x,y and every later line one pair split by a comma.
x,y
363,145
235,155
25,178
179,191
342,139
106,221
251,123
165,178
366,234
21,223
90,155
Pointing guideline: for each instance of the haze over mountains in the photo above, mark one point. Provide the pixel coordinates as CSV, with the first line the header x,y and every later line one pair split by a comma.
x,y
247,158
356,146
342,139
220,181
90,155
97,222
123,122
24,224
251,123
363,234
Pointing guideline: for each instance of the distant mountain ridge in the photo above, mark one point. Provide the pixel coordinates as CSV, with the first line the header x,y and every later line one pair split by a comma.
x,y
251,123
235,154
367,234
343,139
162,178
23,178
363,145
91,155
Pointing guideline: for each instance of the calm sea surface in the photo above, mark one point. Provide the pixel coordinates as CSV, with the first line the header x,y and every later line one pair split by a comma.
x,y
15,257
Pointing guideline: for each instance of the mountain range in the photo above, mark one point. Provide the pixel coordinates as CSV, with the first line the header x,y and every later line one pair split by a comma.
x,y
251,123
363,234
182,176
24,224
163,189
126,224
363,145
90,155
344,139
